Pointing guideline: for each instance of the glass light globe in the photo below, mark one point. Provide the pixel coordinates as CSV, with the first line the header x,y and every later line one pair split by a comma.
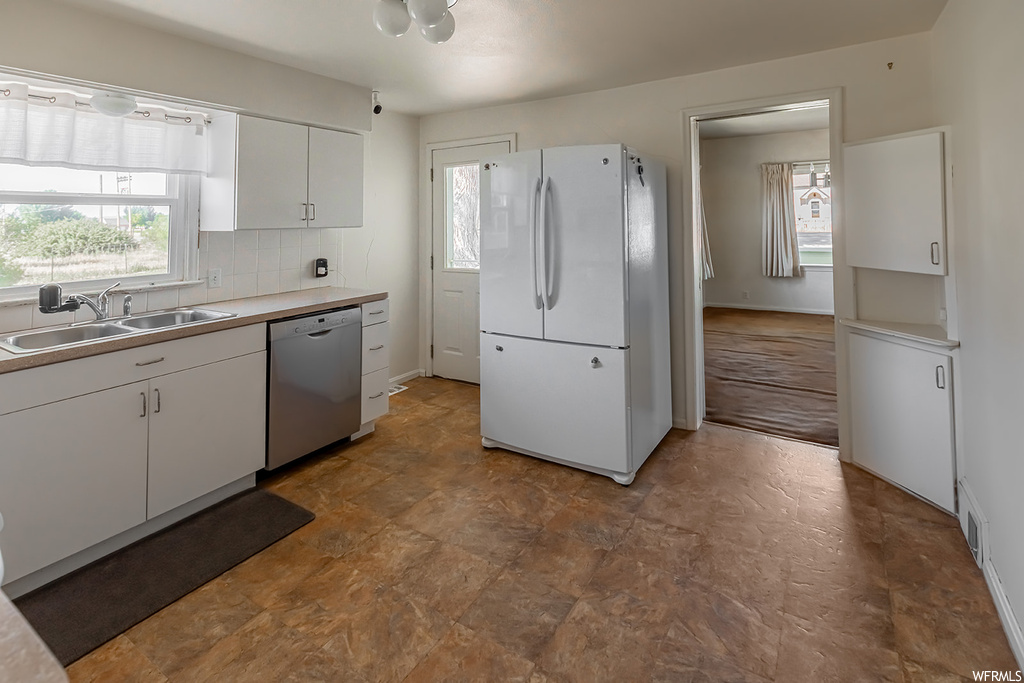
x,y
113,104
391,18
440,33
428,13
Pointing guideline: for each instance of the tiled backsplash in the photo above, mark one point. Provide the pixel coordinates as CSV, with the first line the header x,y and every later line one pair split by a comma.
x,y
252,263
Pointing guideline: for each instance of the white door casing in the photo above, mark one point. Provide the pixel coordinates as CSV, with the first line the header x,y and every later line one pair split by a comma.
x,y
456,279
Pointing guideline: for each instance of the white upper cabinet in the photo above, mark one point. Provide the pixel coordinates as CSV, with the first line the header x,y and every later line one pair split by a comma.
x,y
335,179
895,203
271,174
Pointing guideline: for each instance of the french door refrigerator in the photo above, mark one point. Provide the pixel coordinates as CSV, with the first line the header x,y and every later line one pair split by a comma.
x,y
574,347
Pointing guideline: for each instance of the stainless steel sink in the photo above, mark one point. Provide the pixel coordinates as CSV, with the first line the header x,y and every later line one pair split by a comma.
x,y
80,333
160,319
45,339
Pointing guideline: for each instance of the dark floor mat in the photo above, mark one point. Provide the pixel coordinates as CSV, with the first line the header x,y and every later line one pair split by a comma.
x,y
79,612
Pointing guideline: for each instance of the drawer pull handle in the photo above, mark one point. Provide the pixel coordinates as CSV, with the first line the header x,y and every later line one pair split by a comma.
x,y
143,395
150,362
377,312
377,348
377,395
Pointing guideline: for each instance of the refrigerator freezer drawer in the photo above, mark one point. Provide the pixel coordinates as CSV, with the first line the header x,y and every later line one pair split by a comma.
x,y
565,401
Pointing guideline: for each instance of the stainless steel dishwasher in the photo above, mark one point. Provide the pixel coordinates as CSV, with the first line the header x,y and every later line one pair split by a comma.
x,y
314,396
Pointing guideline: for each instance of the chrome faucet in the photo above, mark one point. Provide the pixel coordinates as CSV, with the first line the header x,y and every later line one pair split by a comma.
x,y
101,307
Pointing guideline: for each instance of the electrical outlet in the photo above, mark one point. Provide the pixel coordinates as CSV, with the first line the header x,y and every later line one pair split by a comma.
x,y
213,277
746,294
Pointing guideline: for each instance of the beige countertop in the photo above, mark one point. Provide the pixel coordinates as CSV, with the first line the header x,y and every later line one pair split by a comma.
x,y
24,657
247,312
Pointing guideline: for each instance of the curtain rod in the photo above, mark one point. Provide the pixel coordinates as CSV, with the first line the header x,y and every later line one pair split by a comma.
x,y
6,92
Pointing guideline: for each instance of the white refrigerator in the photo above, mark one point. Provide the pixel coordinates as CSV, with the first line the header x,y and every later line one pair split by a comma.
x,y
574,344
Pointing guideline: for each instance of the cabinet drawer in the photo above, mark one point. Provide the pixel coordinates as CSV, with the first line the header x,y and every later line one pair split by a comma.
x,y
375,312
375,395
376,348
38,386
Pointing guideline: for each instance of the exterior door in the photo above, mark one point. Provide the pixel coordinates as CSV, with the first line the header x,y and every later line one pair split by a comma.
x,y
584,249
456,259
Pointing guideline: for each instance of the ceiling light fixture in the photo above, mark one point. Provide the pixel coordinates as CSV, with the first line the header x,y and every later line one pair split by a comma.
x,y
436,24
113,104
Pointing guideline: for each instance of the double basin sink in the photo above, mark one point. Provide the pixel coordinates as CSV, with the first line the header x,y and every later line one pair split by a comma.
x,y
78,333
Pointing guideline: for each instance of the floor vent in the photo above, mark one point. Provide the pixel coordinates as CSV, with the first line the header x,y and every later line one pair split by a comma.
x,y
973,524
396,389
974,537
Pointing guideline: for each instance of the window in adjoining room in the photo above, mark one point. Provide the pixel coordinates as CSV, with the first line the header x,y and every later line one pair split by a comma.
x,y
812,203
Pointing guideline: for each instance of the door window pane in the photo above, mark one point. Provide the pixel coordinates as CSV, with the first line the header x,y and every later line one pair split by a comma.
x,y
462,222
68,243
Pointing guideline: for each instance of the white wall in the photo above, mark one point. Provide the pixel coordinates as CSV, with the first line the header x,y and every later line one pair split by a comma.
x,y
731,184
877,101
978,62
69,42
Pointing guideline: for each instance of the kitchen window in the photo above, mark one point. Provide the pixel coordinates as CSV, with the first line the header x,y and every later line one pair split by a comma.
x,y
77,226
88,199
812,203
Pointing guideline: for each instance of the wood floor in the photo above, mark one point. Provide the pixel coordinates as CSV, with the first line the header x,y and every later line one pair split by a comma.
x,y
772,372
733,557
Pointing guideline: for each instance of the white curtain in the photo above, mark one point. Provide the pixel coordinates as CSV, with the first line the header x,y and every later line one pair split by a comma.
x,y
67,133
708,266
780,254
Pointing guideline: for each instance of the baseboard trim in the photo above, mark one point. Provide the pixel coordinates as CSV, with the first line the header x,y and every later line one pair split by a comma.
x,y
1010,624
407,376
780,309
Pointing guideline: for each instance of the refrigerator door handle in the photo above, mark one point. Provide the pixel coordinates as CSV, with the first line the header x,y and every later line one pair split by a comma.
x,y
534,201
544,243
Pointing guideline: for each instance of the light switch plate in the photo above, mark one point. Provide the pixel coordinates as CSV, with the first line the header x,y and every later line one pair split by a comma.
x,y
214,278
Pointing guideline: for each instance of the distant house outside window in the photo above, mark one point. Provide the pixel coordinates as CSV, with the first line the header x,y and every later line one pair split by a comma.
x,y
812,203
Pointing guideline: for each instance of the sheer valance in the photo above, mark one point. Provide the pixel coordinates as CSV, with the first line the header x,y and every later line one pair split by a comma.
x,y
50,128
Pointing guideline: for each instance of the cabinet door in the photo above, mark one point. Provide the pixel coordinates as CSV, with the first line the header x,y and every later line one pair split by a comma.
x,y
550,398
335,179
271,180
895,204
901,404
72,474
207,428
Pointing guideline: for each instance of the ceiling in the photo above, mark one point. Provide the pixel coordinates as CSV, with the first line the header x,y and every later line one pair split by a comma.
x,y
812,118
519,50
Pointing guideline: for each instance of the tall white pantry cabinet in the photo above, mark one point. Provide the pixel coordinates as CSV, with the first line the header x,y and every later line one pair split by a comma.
x,y
902,373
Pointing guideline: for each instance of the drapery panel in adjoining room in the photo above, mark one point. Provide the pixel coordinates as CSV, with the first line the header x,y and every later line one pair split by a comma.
x,y
780,253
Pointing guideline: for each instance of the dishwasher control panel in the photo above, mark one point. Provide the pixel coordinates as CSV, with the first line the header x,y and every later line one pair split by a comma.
x,y
316,323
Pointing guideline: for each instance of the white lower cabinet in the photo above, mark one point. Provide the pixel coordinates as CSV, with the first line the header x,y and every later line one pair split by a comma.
x,y
130,445
902,416
206,429
376,380
72,474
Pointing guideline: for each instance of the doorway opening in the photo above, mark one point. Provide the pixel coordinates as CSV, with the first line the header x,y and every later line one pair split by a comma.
x,y
765,301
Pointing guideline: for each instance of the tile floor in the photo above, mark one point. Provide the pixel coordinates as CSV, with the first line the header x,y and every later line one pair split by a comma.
x,y
733,557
